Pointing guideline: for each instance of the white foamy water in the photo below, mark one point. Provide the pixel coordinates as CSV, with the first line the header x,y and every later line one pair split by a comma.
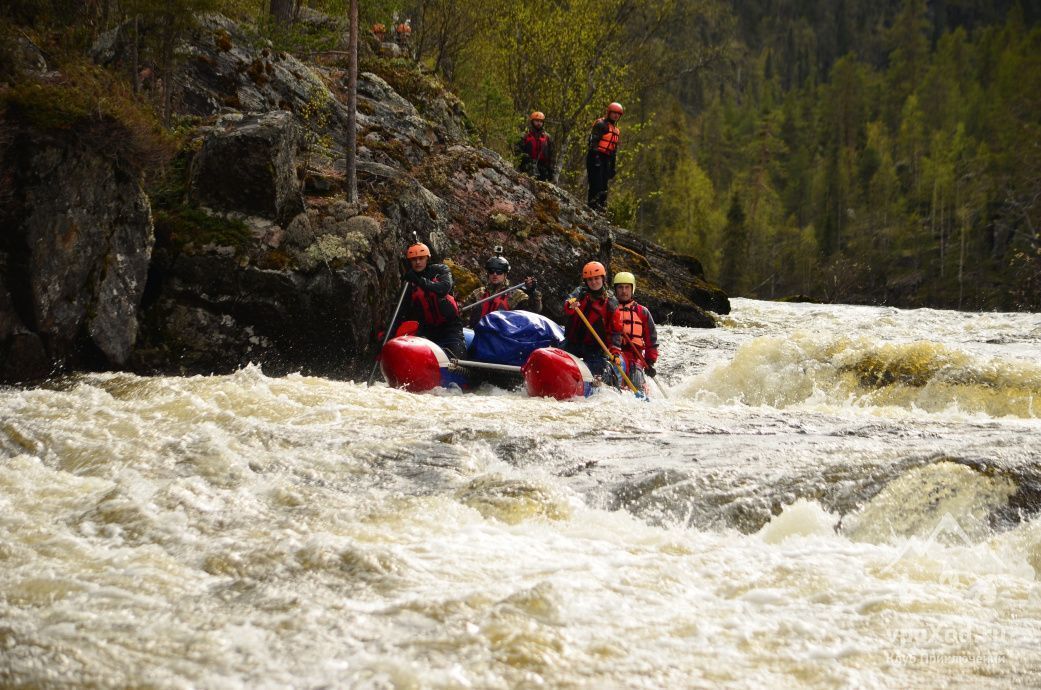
x,y
831,497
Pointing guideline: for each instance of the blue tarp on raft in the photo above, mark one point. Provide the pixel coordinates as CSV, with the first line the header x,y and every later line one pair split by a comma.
x,y
508,337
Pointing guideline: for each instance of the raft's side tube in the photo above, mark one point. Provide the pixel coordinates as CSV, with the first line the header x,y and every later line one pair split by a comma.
x,y
554,373
417,365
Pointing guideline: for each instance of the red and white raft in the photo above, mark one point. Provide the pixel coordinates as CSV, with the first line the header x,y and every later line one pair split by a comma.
x,y
417,365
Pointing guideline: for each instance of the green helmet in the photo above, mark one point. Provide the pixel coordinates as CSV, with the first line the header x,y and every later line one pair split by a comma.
x,y
625,278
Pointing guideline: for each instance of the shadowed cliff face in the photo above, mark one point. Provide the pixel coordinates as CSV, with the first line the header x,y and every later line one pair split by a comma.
x,y
74,252
259,257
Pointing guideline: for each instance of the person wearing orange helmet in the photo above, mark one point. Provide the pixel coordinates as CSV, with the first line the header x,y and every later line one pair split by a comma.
x,y
600,155
430,301
536,149
598,305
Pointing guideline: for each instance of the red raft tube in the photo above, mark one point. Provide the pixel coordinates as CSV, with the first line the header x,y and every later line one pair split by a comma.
x,y
417,365
554,373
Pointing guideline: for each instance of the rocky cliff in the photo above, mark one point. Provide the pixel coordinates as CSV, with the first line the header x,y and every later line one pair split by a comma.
x,y
258,257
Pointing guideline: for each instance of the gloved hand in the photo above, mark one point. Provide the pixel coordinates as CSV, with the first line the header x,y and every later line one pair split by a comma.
x,y
413,277
610,174
529,284
650,371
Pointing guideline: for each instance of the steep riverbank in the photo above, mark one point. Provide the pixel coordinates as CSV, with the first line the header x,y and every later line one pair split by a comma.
x,y
247,250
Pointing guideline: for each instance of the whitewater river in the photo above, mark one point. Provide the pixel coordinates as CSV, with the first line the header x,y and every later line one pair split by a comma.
x,y
830,497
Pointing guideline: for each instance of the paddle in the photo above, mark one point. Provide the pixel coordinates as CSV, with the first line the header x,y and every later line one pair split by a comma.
x,y
390,329
610,357
645,365
482,301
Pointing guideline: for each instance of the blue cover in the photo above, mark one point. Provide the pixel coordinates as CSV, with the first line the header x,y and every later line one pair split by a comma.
x,y
508,337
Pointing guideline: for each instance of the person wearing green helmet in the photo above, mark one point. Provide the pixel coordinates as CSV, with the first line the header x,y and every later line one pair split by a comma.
x,y
636,326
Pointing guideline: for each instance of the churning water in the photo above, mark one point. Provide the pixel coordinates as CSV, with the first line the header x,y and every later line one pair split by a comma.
x,y
831,496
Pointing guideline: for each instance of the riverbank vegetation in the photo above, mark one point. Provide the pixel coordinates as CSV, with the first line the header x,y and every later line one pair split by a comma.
x,y
877,152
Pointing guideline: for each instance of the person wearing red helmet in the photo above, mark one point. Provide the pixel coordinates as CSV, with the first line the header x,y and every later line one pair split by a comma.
x,y
536,149
598,305
430,302
600,156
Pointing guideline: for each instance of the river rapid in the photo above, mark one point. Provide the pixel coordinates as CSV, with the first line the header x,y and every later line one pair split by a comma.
x,y
830,497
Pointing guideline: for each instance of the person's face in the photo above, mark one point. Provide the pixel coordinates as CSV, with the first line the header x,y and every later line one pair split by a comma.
x,y
537,124
623,292
419,263
614,116
496,278
595,283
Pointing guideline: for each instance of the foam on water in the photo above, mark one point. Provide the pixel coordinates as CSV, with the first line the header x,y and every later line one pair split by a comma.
x,y
244,531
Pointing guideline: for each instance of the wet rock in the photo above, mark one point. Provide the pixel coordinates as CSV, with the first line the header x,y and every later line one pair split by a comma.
x,y
73,257
247,164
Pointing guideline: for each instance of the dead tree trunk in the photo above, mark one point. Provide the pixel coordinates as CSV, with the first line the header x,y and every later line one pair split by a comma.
x,y
352,106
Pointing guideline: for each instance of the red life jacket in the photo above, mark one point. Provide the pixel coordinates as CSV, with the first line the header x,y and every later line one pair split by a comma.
x,y
596,312
536,146
630,318
500,302
609,139
436,310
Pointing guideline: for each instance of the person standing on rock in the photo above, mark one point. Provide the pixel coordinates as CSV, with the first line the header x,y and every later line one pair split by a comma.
x,y
636,326
600,156
598,305
536,149
430,302
528,297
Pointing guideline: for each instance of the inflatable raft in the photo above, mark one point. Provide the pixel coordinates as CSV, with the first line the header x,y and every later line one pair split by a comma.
x,y
506,347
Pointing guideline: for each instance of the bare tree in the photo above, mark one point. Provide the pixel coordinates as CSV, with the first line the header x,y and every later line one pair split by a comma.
x,y
281,10
351,147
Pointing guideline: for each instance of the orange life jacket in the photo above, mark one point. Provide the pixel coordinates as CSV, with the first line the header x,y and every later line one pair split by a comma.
x,y
609,139
631,322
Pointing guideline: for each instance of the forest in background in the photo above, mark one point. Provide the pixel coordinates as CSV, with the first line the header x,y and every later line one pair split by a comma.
x,y
884,152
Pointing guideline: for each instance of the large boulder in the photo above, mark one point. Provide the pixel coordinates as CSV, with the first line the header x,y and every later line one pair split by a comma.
x,y
73,256
246,164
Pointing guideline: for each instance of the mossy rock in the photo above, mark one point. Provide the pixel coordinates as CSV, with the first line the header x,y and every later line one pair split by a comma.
x,y
186,225
466,281
626,259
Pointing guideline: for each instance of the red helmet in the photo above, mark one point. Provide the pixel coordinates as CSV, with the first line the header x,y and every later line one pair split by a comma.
x,y
616,108
537,116
417,250
593,269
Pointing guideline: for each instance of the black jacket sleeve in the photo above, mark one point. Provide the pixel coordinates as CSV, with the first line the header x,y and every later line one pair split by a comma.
x,y
599,129
437,278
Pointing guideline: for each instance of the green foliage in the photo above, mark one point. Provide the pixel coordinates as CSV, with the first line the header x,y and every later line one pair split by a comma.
x,y
179,227
92,105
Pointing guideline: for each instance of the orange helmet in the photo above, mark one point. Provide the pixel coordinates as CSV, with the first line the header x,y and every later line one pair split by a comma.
x,y
417,250
616,108
593,269
537,116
